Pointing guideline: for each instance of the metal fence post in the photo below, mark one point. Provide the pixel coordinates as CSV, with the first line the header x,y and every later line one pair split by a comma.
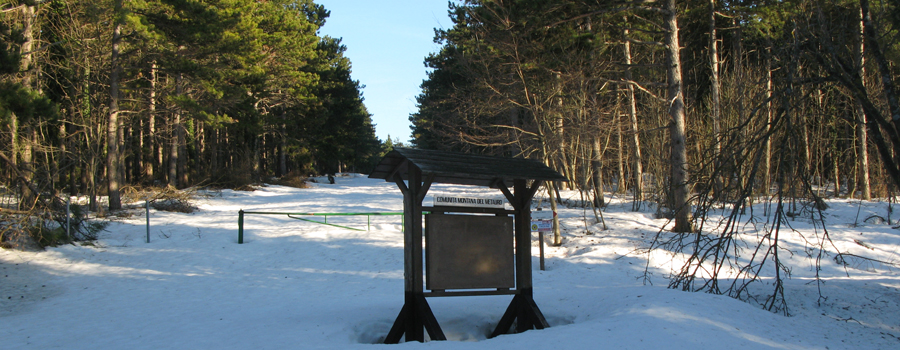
x,y
68,216
148,220
241,226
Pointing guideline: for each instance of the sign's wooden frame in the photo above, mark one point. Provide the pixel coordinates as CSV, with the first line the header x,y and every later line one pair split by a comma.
x,y
527,176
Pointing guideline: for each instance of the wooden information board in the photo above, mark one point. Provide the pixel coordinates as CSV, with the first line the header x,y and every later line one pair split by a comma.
x,y
469,252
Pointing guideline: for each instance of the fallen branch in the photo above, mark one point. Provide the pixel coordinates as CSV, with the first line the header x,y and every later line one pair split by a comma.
x,y
842,255
11,211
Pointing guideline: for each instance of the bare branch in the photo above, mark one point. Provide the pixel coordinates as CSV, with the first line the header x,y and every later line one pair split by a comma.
x,y
640,87
13,8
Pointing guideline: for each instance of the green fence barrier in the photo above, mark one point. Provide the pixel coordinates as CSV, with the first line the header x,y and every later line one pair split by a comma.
x,y
323,215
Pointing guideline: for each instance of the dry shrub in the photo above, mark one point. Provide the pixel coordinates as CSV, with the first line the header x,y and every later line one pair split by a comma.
x,y
162,198
14,234
171,199
134,194
292,179
42,227
174,205
248,188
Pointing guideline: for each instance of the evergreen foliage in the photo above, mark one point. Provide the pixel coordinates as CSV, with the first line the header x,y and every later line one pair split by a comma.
x,y
100,96
209,90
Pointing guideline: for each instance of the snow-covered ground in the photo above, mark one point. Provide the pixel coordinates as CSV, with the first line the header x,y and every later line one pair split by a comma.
x,y
299,285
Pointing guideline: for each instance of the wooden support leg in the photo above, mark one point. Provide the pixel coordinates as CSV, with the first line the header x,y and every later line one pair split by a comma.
x,y
413,321
508,317
398,328
428,319
414,316
523,319
525,312
534,313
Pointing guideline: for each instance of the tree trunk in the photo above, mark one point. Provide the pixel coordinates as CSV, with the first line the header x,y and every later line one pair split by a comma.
x,y
172,163
92,175
123,158
804,134
173,149
597,172
26,52
62,157
150,144
560,135
176,137
282,155
862,145
884,67
112,133
257,159
620,147
26,168
84,137
27,46
214,152
680,181
636,167
836,170
767,174
14,143
891,161
715,100
199,168
551,192
183,180
137,150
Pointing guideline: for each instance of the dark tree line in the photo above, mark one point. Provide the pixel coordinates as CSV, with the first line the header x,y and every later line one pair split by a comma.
x,y
691,104
99,95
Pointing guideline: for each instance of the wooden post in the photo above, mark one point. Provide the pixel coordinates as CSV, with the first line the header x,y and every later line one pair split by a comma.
x,y
415,316
522,308
523,237
412,255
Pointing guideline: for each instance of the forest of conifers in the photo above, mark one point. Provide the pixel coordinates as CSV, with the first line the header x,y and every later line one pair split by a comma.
x,y
680,102
685,103
99,95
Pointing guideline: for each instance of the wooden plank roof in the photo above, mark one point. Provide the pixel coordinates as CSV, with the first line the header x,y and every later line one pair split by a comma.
x,y
462,168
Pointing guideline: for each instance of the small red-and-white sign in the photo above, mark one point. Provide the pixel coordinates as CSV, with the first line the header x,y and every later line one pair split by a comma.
x,y
541,215
542,225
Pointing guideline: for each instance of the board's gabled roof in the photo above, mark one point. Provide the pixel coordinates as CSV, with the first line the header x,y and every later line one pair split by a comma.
x,y
462,168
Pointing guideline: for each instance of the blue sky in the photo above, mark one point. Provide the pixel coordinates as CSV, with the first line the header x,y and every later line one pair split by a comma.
x,y
387,41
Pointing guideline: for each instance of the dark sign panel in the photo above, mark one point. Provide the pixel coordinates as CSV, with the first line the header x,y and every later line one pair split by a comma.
x,y
469,252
